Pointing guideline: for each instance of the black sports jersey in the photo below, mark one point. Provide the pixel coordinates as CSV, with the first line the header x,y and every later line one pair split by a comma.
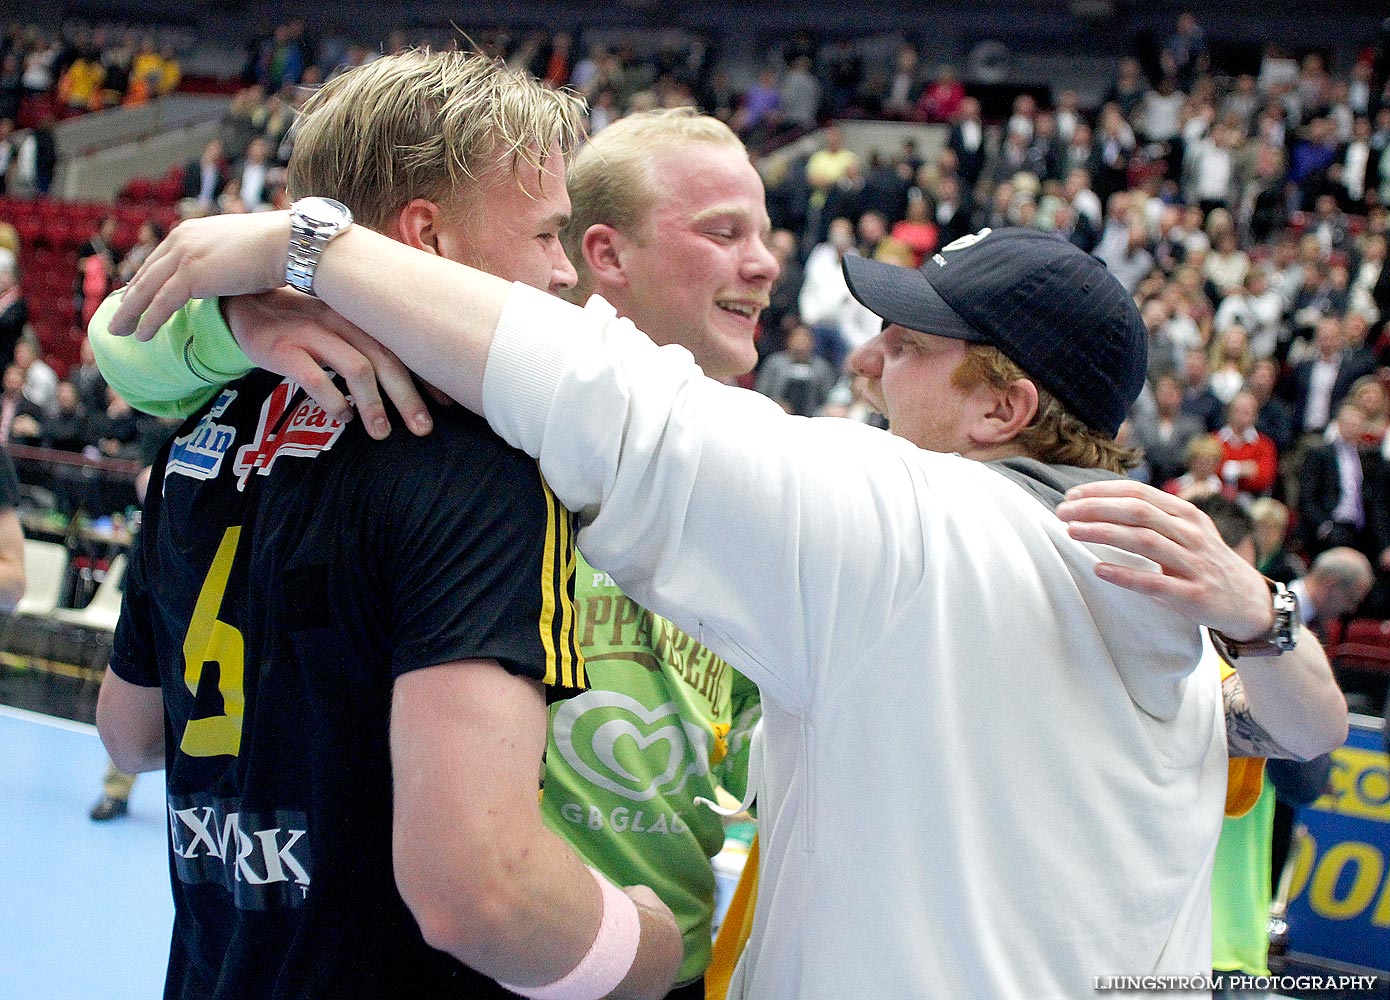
x,y
291,568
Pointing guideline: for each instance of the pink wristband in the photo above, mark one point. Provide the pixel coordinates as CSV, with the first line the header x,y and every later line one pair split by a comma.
x,y
609,958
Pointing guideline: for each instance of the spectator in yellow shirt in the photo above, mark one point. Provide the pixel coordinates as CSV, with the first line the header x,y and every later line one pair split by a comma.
x,y
80,85
828,166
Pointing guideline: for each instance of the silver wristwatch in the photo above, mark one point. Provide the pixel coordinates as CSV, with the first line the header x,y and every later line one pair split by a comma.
x,y
314,223
1282,635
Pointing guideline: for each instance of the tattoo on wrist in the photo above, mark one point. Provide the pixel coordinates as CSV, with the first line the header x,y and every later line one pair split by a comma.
x,y
1244,736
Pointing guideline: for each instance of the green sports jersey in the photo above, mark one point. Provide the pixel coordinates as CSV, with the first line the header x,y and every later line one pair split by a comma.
x,y
1240,895
627,758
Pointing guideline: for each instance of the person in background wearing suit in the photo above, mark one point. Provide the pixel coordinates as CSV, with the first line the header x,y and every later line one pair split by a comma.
x,y
1344,492
1197,396
205,177
954,209
19,418
1322,381
1165,434
967,140
1320,384
1275,416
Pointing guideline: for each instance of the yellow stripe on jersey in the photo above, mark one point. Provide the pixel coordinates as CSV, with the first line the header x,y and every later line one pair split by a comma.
x,y
564,663
570,616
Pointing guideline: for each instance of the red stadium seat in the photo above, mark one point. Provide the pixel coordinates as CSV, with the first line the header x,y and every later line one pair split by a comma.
x,y
1363,645
167,190
140,189
28,228
55,232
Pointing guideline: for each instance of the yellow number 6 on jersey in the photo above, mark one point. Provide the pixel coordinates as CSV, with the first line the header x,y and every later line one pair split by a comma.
x,y
211,641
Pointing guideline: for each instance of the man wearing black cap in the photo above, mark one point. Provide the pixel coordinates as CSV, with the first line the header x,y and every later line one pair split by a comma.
x,y
985,771
1054,312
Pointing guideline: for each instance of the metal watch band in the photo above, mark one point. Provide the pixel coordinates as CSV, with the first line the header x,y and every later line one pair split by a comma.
x,y
314,223
1281,636
302,261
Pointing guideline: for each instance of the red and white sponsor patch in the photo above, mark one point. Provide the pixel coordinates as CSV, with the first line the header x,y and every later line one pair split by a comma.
x,y
307,432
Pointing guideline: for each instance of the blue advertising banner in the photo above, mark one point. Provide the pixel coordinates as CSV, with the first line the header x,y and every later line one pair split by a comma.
x,y
1339,899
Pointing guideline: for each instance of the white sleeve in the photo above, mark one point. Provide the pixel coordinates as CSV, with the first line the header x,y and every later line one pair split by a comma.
x,y
764,536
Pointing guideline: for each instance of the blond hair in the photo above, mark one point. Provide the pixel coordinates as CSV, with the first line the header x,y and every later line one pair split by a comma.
x,y
613,182
1267,510
1203,446
1055,435
422,124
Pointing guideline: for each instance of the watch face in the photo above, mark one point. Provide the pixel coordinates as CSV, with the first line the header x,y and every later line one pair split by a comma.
x,y
323,211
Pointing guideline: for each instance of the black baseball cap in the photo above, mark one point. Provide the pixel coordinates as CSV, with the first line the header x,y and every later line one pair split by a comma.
x,y
1054,310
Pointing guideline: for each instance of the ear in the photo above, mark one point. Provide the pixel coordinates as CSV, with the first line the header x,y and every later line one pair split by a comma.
x,y
1009,412
602,247
420,225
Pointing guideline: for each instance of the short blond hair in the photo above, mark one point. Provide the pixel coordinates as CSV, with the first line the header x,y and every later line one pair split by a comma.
x,y
1267,510
422,124
1204,446
612,180
1055,435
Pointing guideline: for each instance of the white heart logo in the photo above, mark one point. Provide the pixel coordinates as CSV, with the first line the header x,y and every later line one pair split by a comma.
x,y
689,747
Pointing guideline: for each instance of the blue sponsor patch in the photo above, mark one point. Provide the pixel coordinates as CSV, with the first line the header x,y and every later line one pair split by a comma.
x,y
198,454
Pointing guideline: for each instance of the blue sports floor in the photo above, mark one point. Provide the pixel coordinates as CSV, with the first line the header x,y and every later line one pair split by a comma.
x,y
85,910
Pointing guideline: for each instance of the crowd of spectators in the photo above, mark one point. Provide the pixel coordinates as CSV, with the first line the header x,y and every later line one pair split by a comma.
x,y
75,413
1245,211
47,76
83,68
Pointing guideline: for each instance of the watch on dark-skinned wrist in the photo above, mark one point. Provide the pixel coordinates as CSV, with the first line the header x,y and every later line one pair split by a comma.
x,y
1281,637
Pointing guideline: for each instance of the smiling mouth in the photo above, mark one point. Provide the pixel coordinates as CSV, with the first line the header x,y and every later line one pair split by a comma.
x,y
747,310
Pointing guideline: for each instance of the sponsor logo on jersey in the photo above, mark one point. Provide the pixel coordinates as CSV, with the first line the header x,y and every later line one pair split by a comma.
x,y
198,454
617,743
305,433
621,819
260,858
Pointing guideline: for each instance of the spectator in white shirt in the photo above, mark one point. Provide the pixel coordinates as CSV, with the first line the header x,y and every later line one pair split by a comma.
x,y
1212,164
254,188
40,381
840,323
1162,108
1256,307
